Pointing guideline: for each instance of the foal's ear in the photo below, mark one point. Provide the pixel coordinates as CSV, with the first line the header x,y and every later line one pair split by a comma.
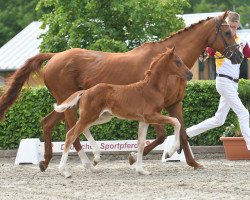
x,y
172,50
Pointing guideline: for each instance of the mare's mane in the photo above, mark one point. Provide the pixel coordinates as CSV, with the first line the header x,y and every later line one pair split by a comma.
x,y
175,33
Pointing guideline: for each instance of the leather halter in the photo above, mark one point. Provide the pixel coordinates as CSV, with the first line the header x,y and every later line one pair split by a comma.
x,y
229,50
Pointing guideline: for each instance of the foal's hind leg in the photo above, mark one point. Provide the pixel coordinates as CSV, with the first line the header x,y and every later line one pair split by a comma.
x,y
96,149
104,118
70,138
85,160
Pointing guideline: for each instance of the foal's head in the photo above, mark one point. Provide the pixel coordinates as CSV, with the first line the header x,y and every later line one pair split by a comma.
x,y
171,64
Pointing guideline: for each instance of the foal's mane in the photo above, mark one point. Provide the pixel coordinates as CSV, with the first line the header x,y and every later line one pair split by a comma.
x,y
153,63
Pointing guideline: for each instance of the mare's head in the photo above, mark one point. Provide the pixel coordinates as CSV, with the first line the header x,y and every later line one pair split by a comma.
x,y
222,40
171,64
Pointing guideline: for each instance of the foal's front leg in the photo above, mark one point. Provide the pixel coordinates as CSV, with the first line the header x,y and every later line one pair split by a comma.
x,y
142,132
160,138
176,111
176,144
157,118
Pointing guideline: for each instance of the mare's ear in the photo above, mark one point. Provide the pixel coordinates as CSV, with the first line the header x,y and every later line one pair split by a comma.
x,y
225,15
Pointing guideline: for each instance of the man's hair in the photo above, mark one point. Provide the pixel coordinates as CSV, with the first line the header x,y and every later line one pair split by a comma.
x,y
233,17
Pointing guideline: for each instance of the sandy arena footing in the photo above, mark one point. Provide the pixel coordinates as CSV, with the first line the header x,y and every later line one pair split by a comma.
x,y
115,179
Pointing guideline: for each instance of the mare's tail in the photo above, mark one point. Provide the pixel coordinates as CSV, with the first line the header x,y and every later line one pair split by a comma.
x,y
17,80
69,102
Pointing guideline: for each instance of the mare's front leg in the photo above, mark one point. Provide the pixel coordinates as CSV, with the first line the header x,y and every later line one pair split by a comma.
x,y
176,111
142,132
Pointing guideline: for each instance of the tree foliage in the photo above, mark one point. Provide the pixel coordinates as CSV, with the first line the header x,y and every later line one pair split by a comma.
x,y
108,25
14,16
242,7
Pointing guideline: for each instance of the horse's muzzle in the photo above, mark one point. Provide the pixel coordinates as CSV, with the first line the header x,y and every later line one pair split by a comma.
x,y
237,58
189,75
234,55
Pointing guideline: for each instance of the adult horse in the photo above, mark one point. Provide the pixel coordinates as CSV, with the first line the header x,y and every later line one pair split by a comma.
x,y
142,101
69,71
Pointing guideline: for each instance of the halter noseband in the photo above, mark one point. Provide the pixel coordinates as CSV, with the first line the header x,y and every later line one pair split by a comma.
x,y
229,50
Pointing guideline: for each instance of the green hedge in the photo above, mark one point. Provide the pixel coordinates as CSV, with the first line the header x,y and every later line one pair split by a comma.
x,y
23,119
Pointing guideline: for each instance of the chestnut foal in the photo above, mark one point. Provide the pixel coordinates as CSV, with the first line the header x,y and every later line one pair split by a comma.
x,y
142,101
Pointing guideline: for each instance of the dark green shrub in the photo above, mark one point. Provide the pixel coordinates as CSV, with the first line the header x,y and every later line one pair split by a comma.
x,y
23,119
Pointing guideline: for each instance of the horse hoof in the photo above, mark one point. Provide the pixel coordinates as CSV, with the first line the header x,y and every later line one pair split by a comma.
x,y
167,156
143,172
96,160
199,166
95,163
65,173
179,150
132,158
90,167
42,166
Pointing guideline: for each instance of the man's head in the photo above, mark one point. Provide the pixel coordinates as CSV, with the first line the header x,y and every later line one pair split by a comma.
x,y
233,19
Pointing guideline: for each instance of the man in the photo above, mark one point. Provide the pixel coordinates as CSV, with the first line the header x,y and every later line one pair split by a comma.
x,y
227,86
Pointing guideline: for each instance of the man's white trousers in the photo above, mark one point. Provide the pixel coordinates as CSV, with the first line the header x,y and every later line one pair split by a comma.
x,y
229,99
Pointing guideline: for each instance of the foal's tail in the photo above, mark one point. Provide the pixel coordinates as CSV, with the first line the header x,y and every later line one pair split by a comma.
x,y
69,102
17,80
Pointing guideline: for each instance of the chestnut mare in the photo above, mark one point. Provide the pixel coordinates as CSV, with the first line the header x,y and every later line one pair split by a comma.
x,y
142,101
72,70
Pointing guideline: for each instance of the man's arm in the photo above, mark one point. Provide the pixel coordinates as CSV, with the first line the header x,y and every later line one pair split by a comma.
x,y
210,51
246,51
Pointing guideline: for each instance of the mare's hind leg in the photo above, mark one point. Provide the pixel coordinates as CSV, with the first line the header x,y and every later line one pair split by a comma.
x,y
48,124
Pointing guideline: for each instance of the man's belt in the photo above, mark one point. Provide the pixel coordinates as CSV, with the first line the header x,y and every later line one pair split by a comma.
x,y
229,77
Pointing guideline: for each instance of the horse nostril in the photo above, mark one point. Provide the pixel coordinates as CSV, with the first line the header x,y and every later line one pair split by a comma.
x,y
189,75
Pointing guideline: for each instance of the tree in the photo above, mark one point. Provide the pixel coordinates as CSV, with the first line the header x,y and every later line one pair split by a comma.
x,y
14,16
108,25
242,7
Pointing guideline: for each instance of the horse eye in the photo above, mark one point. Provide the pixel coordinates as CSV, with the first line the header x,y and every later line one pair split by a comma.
x,y
228,34
178,63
